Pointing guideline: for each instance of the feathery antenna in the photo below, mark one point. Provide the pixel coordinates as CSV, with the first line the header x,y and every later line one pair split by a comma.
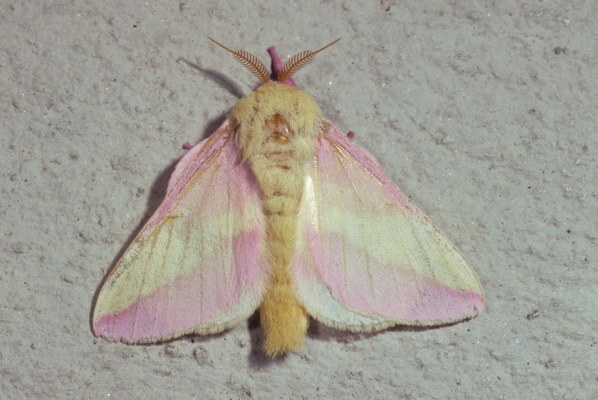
x,y
257,68
249,61
298,61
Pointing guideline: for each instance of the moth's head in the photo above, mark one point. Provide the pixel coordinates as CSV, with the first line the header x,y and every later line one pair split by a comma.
x,y
276,114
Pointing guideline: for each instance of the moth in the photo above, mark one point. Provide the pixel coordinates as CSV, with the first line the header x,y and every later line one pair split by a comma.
x,y
278,211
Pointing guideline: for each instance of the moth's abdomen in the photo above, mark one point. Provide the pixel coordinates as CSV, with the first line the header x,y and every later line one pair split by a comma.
x,y
283,319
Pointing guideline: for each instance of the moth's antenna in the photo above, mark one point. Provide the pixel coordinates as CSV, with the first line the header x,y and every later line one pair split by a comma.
x,y
298,61
249,61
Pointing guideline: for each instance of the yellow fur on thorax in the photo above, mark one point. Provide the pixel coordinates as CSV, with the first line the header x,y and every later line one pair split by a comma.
x,y
275,130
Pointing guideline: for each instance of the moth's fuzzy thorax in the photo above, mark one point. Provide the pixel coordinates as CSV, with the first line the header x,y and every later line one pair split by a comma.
x,y
257,116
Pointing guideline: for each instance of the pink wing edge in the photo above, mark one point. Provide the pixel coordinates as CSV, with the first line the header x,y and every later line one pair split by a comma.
x,y
442,305
139,322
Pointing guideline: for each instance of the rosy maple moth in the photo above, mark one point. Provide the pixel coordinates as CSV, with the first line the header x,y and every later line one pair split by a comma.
x,y
279,211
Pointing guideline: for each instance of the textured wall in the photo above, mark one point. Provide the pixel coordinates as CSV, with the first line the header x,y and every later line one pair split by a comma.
x,y
485,114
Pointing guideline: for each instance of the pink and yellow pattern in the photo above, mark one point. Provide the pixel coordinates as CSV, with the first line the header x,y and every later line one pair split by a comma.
x,y
196,266
367,258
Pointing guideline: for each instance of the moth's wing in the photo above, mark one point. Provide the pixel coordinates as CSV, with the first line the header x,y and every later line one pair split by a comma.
x,y
367,258
196,266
